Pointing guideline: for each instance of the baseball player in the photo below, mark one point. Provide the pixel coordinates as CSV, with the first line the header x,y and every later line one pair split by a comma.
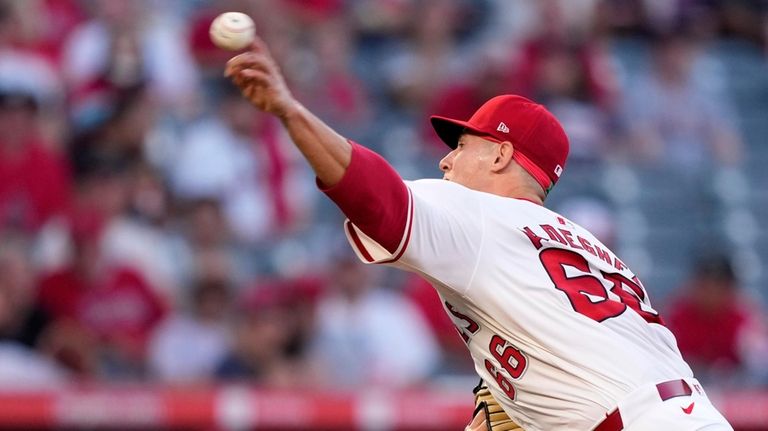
x,y
561,331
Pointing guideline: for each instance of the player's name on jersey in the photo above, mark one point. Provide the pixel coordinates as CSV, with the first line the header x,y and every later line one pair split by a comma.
x,y
573,241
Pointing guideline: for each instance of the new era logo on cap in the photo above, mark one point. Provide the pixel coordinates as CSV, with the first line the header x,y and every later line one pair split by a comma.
x,y
558,170
503,128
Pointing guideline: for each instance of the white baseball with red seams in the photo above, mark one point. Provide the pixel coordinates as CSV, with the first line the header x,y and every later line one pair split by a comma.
x,y
232,31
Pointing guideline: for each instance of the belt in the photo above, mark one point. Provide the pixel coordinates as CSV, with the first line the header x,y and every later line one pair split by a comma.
x,y
667,390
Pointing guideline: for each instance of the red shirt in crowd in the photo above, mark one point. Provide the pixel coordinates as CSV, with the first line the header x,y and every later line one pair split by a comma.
x,y
120,306
35,184
708,338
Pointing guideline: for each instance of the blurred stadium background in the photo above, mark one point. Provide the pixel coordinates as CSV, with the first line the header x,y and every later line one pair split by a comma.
x,y
165,261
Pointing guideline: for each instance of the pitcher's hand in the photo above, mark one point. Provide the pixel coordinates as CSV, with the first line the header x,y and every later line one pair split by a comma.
x,y
259,78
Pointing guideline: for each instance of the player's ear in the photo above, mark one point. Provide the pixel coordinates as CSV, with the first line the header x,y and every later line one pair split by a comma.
x,y
503,156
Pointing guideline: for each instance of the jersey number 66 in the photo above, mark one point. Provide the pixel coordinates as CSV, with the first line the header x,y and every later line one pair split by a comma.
x,y
511,359
588,294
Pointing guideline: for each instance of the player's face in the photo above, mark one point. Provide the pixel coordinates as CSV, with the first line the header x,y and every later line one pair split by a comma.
x,y
469,163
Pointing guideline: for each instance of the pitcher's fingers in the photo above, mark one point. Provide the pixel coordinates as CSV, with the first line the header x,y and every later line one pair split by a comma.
x,y
248,60
261,55
238,62
249,91
261,46
234,70
240,81
253,75
231,69
249,57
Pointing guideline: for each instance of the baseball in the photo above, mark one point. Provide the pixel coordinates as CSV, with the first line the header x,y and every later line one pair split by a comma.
x,y
232,31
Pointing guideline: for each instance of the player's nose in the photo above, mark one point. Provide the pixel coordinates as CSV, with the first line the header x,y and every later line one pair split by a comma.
x,y
446,162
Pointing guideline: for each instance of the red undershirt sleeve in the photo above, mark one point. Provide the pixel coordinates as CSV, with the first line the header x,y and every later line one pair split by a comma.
x,y
373,197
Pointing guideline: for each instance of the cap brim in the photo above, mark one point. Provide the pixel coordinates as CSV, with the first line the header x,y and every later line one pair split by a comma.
x,y
449,130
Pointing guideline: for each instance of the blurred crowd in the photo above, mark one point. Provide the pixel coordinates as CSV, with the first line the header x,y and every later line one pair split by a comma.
x,y
154,226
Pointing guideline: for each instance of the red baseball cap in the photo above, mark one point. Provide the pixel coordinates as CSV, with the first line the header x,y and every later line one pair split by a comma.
x,y
541,146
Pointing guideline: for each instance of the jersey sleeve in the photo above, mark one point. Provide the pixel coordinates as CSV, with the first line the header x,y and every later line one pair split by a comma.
x,y
373,197
432,227
445,233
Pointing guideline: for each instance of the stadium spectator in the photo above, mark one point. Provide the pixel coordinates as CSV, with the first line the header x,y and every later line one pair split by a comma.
x,y
425,60
719,330
28,56
563,84
739,19
453,352
561,64
332,87
205,248
261,341
127,43
111,123
623,18
21,365
140,236
93,299
238,158
189,345
23,369
20,320
35,183
677,113
558,39
369,335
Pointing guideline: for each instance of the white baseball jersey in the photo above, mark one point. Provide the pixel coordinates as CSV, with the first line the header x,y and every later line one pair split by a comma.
x,y
555,322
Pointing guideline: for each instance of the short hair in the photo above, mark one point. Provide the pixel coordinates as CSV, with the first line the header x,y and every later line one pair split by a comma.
x,y
717,267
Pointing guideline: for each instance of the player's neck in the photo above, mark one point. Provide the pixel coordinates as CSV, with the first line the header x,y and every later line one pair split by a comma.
x,y
519,190
515,182
530,197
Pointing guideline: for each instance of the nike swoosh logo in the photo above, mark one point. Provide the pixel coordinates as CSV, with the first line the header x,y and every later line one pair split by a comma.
x,y
687,410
